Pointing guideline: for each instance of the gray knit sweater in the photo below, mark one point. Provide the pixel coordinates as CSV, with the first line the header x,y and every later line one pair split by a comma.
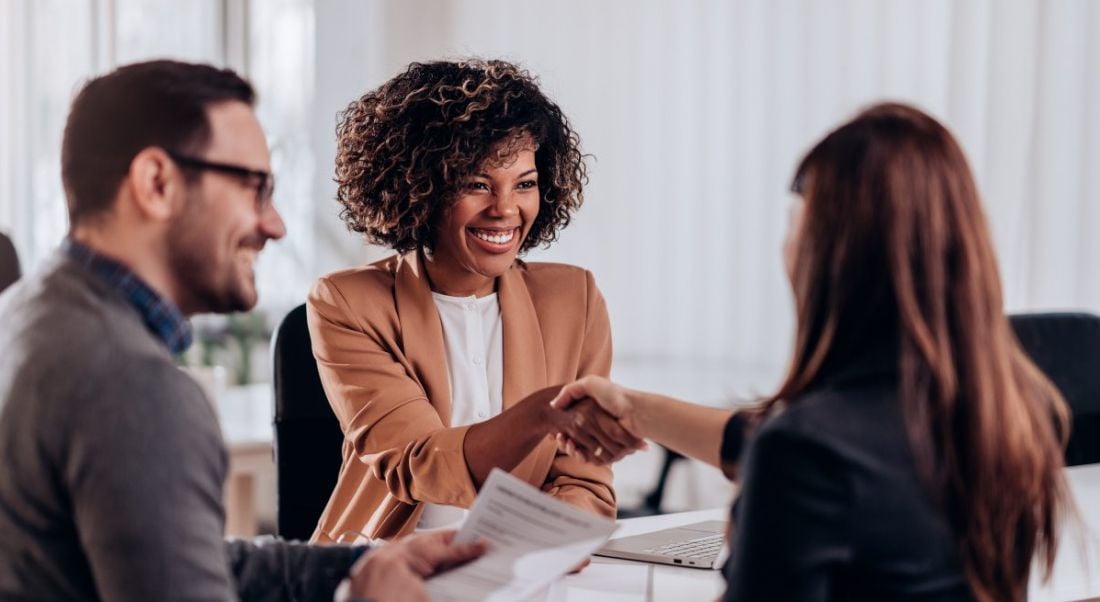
x,y
112,463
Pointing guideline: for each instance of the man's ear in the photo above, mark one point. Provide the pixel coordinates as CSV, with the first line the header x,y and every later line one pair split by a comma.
x,y
156,183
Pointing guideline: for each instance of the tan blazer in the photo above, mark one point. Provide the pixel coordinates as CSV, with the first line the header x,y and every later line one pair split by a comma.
x,y
379,346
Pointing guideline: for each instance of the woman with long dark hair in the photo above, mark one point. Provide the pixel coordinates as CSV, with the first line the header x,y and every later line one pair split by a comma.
x,y
913,451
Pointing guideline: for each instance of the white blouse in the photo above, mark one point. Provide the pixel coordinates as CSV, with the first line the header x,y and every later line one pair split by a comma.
x,y
472,334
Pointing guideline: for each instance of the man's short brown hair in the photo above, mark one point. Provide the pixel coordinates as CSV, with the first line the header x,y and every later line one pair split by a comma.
x,y
115,116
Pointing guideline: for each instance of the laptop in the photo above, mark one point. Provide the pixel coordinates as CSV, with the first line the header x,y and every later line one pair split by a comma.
x,y
699,545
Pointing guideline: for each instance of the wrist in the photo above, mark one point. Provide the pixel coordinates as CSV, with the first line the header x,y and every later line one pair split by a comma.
x,y
539,414
642,407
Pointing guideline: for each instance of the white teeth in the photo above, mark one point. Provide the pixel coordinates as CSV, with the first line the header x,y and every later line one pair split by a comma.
x,y
499,238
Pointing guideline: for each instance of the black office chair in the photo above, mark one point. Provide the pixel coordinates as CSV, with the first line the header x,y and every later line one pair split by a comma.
x,y
1066,346
307,434
9,263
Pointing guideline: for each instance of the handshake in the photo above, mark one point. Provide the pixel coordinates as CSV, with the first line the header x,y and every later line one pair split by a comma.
x,y
593,419
597,421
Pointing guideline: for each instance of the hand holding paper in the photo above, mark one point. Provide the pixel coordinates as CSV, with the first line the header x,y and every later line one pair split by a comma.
x,y
398,569
533,539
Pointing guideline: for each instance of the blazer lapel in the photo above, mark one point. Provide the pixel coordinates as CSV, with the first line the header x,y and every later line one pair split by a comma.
x,y
422,332
524,355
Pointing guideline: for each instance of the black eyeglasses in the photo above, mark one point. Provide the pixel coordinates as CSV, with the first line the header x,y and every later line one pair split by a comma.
x,y
264,181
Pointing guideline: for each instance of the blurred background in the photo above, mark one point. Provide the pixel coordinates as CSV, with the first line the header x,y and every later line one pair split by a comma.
x,y
695,113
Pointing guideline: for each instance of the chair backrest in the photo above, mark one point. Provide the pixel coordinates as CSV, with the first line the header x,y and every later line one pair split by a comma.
x,y
9,263
1066,346
307,435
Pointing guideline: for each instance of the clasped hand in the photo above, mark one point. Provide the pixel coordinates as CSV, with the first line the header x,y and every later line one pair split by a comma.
x,y
595,422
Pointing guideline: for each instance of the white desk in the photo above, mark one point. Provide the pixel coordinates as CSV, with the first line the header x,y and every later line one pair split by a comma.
x,y
1072,579
1076,574
672,582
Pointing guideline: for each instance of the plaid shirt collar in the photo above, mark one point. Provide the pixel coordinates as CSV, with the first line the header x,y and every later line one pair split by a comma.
x,y
160,315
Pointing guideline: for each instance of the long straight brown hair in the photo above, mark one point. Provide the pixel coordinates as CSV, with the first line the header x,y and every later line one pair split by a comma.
x,y
894,246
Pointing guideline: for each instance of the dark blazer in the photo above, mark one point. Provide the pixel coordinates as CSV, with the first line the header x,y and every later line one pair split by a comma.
x,y
832,506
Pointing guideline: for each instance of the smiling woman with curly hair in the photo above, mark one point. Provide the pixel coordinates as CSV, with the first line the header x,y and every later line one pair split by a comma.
x,y
407,149
440,361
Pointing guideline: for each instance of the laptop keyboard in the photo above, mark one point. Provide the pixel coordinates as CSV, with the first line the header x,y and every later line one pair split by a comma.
x,y
703,548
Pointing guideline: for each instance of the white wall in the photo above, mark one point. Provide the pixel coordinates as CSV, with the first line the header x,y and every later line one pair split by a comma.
x,y
696,112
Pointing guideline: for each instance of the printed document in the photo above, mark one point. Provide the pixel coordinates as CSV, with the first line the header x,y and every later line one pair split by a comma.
x,y
533,539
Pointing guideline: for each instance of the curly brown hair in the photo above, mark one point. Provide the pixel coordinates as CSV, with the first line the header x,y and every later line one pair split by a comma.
x,y
405,149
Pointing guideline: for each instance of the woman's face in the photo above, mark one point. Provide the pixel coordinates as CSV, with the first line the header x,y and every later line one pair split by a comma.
x,y
480,234
794,235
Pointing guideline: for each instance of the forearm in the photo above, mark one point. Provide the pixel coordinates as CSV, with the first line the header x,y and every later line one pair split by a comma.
x,y
692,430
421,461
506,439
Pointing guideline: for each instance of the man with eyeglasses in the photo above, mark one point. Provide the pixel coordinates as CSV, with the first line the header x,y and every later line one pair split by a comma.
x,y
113,461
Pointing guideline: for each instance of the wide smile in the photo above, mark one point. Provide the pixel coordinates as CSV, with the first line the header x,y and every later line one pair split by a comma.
x,y
495,240
247,256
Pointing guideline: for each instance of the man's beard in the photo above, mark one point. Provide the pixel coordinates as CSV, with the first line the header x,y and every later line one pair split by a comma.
x,y
207,284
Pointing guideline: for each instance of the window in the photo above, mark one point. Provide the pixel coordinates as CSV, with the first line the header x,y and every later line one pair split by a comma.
x,y
50,47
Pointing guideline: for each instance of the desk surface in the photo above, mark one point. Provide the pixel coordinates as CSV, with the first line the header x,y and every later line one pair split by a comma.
x,y
1076,572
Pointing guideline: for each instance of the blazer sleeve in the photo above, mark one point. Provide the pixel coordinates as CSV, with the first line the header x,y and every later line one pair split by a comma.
x,y
580,483
733,442
382,408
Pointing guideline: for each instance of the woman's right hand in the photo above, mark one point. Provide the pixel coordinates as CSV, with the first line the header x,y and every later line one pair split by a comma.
x,y
598,399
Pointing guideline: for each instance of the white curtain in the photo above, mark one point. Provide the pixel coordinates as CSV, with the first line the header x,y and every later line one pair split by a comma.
x,y
51,47
696,113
